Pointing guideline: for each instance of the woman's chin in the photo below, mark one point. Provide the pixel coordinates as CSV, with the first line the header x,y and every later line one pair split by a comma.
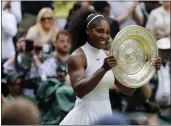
x,y
102,46
46,28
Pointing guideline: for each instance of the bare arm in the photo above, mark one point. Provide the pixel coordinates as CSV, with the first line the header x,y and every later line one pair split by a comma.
x,y
36,62
137,14
127,14
120,19
146,91
76,69
124,89
120,87
11,62
138,19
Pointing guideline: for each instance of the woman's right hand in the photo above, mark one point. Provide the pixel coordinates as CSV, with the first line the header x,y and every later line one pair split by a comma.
x,y
109,62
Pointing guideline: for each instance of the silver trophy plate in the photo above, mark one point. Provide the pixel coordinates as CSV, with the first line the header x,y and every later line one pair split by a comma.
x,y
134,48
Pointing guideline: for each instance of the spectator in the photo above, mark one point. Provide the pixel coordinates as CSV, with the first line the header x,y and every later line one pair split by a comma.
x,y
19,111
147,7
159,21
162,94
126,13
56,66
30,10
14,7
104,8
27,60
61,11
22,61
44,30
15,86
9,30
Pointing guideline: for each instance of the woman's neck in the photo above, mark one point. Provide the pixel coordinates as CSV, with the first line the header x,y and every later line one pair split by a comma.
x,y
90,42
46,30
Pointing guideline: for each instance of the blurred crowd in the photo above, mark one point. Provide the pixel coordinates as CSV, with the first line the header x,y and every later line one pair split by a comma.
x,y
36,45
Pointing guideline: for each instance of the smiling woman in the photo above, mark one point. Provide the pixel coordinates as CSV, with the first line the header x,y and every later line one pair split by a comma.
x,y
90,69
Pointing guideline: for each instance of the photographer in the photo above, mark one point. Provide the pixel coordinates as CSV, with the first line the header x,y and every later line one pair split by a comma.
x,y
27,60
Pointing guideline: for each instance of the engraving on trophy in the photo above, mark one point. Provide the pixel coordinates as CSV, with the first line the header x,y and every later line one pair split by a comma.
x,y
130,57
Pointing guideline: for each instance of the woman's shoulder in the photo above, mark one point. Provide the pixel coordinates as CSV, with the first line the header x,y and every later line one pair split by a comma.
x,y
33,28
32,32
78,53
78,57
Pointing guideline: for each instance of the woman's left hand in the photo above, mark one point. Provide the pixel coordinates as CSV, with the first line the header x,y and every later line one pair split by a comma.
x,y
157,63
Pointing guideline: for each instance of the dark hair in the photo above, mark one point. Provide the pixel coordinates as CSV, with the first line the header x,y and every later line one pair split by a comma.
x,y
13,76
75,8
63,32
78,26
100,5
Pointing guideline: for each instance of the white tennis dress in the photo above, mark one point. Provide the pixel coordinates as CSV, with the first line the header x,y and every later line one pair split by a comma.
x,y
97,103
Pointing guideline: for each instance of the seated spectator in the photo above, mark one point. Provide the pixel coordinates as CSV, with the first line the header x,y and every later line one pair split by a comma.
x,y
126,13
30,10
61,11
19,111
26,52
15,86
147,7
159,21
27,60
57,65
44,30
103,7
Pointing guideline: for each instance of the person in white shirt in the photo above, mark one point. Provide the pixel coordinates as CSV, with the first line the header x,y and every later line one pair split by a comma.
x,y
126,13
25,61
14,7
159,21
9,30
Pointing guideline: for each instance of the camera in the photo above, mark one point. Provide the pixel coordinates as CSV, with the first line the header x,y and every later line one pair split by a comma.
x,y
29,45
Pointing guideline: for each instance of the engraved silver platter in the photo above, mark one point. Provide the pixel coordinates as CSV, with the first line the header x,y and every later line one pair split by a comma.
x,y
134,48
